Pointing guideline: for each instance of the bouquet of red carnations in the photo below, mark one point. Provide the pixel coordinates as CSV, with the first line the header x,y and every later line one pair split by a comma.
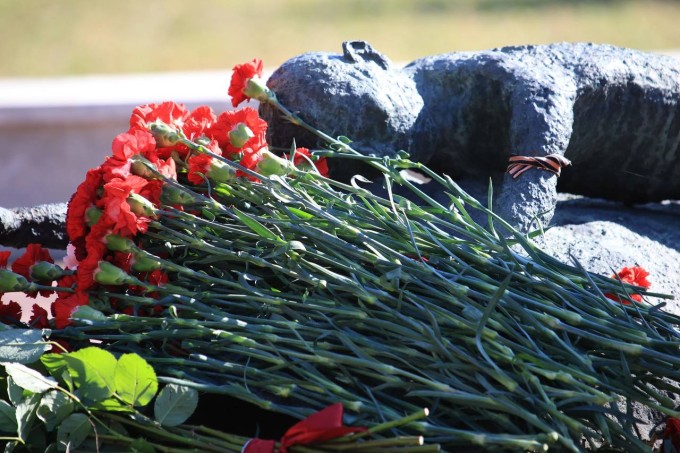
x,y
235,269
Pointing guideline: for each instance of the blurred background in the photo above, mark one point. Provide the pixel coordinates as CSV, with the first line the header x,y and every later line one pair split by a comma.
x,y
67,37
71,71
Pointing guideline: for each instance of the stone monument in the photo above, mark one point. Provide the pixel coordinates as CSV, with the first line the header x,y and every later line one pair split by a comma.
x,y
613,112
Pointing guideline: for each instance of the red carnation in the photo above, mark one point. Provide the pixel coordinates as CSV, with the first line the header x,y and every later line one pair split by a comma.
x,y
238,129
302,157
239,80
87,267
250,160
84,198
124,147
117,209
34,253
632,275
199,165
63,308
672,432
170,113
39,318
4,258
10,313
198,122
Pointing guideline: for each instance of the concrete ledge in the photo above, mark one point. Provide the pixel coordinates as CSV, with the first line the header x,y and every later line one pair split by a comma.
x,y
53,130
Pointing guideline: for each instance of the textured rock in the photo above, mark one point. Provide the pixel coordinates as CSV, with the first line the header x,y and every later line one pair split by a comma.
x,y
611,111
345,95
44,224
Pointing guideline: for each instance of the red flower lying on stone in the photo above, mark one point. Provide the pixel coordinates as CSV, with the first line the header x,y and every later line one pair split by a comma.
x,y
672,432
635,275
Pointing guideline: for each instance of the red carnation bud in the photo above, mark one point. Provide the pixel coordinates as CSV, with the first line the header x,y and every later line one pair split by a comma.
x,y
142,263
11,282
173,196
45,271
271,164
220,171
109,274
240,134
118,243
164,134
257,89
92,216
140,205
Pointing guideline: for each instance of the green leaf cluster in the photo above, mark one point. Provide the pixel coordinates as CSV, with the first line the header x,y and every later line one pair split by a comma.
x,y
59,402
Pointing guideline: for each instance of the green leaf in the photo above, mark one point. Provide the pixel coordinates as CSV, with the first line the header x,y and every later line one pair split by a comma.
x,y
56,366
175,404
73,431
300,213
92,370
22,345
8,418
54,407
37,438
135,379
29,379
14,393
256,226
111,405
26,415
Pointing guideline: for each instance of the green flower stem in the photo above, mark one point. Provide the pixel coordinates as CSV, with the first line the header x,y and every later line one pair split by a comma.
x,y
415,442
182,439
129,442
419,415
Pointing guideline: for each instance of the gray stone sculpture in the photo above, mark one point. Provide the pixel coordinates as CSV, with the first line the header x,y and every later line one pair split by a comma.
x,y
613,112
44,224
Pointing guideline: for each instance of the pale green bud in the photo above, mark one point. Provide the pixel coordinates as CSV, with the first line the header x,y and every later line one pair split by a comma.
x,y
240,134
141,206
271,164
164,134
46,271
11,282
109,274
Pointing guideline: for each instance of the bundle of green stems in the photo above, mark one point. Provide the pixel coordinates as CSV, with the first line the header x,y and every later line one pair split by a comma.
x,y
295,292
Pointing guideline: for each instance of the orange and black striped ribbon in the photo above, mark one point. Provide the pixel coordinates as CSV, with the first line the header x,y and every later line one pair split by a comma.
x,y
552,163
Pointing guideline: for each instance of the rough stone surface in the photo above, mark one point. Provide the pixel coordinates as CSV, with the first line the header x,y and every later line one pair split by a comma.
x,y
611,111
44,224
604,236
345,95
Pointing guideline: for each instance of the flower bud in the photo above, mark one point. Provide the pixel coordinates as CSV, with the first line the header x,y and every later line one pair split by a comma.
x,y
109,274
92,215
164,134
240,134
142,263
141,206
256,88
118,243
172,195
271,164
45,271
10,282
221,172
141,166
